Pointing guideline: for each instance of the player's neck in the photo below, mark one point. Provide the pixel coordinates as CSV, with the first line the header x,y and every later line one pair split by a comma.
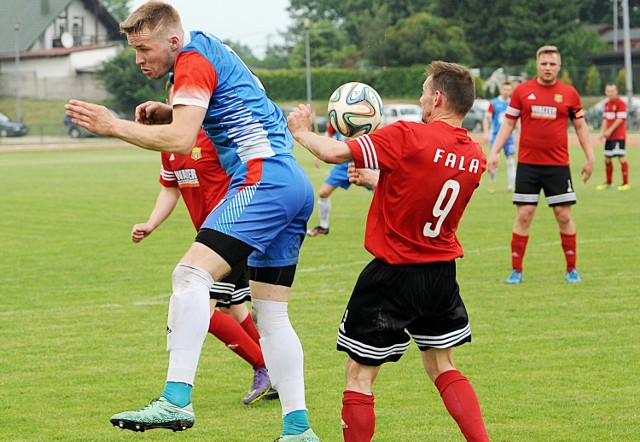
x,y
542,82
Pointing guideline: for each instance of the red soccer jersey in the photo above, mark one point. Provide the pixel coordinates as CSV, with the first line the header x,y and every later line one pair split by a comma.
x,y
612,111
544,112
200,177
428,173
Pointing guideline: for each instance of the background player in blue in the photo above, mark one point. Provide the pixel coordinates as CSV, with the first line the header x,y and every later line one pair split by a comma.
x,y
263,215
338,177
492,121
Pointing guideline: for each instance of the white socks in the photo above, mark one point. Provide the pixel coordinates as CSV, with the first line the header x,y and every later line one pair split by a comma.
x,y
282,353
188,321
324,209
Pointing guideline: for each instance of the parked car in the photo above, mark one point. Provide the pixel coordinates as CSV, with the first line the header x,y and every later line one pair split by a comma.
x,y
76,131
11,128
593,115
474,118
401,111
321,121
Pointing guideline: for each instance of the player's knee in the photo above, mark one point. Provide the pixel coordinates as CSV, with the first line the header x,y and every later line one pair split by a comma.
x,y
185,277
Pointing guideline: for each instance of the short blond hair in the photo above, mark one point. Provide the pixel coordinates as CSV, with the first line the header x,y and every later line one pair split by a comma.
x,y
158,18
547,49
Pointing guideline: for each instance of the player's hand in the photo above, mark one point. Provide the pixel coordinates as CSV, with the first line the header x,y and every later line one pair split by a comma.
x,y
299,120
492,163
316,162
93,117
154,112
363,177
140,232
587,170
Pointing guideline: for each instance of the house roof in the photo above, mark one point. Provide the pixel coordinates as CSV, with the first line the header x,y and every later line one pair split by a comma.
x,y
34,16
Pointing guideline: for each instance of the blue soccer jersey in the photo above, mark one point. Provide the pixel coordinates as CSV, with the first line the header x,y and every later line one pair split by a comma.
x,y
270,198
241,121
497,109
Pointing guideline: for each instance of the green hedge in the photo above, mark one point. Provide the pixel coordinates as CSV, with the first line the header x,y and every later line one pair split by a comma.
x,y
291,84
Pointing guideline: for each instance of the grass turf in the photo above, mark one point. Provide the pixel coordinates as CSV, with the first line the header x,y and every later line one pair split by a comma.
x,y
83,313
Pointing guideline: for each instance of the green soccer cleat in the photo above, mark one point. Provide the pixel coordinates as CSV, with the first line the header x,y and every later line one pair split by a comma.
x,y
624,187
160,413
605,186
307,436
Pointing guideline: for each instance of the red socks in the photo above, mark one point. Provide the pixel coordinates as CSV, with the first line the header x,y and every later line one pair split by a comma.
x,y
518,246
569,243
625,172
227,329
462,404
608,167
250,328
358,417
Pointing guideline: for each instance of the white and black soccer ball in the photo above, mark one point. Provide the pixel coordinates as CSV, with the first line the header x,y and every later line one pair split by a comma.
x,y
355,109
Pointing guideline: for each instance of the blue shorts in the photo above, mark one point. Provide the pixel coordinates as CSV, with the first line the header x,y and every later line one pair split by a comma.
x,y
509,146
267,207
339,177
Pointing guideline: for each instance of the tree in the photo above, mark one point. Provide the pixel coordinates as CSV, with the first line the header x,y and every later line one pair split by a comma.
x,y
421,38
593,83
117,8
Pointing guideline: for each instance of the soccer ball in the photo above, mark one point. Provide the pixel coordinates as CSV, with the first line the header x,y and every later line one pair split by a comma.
x,y
355,109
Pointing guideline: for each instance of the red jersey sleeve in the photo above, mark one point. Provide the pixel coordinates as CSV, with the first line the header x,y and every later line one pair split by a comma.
x,y
167,175
195,79
515,106
380,149
490,110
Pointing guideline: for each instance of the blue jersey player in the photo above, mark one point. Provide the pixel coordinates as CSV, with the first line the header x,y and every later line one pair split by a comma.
x,y
263,216
492,121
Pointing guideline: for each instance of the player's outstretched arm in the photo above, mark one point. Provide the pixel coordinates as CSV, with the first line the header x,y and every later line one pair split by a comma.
x,y
177,137
327,149
165,203
582,131
504,133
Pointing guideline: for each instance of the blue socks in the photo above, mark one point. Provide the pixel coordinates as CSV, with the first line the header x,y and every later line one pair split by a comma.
x,y
178,393
295,422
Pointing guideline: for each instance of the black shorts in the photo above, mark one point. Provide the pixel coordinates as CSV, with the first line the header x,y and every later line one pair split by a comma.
x,y
554,180
614,148
233,288
391,304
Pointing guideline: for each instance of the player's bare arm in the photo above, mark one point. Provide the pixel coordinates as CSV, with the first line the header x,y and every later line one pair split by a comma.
x,y
177,137
327,149
582,131
503,135
165,204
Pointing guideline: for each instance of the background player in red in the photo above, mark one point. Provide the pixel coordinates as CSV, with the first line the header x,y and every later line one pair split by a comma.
x,y
613,134
544,105
202,182
428,173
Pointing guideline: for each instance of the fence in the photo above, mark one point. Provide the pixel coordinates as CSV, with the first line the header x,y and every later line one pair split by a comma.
x,y
81,86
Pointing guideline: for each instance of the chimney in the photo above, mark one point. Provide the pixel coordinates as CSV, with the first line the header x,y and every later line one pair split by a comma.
x,y
44,7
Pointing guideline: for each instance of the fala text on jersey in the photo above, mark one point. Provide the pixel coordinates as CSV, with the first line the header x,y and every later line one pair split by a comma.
x,y
187,177
454,161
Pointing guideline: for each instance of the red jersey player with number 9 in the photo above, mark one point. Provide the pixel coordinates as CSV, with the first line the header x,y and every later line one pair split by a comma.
x,y
428,173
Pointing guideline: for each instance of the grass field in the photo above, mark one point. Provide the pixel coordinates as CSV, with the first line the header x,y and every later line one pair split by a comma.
x,y
82,320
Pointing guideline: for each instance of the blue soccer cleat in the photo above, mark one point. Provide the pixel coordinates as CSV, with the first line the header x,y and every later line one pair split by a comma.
x,y
573,276
515,277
